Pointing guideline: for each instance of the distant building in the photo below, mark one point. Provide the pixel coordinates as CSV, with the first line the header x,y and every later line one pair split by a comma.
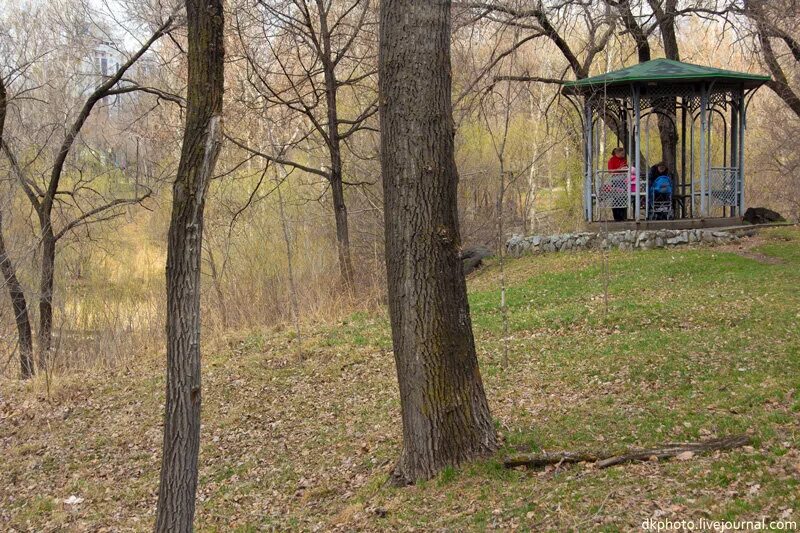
x,y
106,59
103,60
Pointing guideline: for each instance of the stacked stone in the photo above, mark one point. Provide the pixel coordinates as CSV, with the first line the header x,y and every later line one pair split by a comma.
x,y
518,245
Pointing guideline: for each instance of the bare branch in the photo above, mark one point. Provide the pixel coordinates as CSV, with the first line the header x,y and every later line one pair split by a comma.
x,y
278,160
87,217
99,93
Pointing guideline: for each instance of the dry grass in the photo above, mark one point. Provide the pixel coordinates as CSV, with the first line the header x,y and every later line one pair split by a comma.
x,y
110,292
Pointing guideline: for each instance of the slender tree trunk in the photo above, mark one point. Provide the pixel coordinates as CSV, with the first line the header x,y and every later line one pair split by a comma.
x,y
20,307
201,144
342,231
287,239
335,149
15,292
533,178
445,414
501,257
216,282
47,274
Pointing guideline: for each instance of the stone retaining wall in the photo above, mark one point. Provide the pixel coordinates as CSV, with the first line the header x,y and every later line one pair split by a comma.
x,y
518,245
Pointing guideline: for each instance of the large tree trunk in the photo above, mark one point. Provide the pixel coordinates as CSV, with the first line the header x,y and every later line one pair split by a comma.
x,y
15,292
334,147
445,414
667,130
665,15
201,144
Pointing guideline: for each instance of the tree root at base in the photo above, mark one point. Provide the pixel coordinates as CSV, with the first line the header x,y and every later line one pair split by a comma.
x,y
604,460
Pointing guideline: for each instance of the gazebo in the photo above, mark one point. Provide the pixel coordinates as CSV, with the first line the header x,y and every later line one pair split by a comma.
x,y
691,116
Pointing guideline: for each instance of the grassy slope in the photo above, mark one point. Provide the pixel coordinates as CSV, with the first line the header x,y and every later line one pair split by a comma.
x,y
696,342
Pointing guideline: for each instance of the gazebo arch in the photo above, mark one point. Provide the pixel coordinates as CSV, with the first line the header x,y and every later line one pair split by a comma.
x,y
708,173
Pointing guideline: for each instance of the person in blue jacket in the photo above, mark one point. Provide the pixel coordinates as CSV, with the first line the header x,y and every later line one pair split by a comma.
x,y
659,169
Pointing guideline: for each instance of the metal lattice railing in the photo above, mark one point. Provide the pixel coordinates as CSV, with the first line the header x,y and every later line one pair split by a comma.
x,y
723,186
611,188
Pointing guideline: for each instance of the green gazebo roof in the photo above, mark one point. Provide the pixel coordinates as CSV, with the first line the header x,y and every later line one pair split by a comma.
x,y
665,70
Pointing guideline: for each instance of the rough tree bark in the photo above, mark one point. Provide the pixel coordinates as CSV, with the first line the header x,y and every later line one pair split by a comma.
x,y
445,413
633,27
19,304
201,145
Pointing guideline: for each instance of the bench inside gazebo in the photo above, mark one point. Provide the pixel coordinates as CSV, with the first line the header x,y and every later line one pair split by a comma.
x,y
691,118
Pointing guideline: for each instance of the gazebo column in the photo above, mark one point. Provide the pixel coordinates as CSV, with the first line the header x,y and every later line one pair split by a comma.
x,y
684,107
637,116
629,131
735,151
625,126
692,172
703,150
629,149
588,143
742,127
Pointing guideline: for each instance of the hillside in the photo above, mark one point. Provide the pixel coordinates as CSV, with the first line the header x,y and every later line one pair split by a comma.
x,y
697,342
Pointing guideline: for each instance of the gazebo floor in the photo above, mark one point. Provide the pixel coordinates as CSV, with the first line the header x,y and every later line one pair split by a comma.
x,y
685,223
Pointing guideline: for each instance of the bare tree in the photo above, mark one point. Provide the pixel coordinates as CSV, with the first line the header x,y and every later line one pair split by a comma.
x,y
74,202
776,24
319,55
554,23
16,293
445,413
201,145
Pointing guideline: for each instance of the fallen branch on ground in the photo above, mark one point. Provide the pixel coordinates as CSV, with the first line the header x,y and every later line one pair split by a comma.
x,y
604,460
